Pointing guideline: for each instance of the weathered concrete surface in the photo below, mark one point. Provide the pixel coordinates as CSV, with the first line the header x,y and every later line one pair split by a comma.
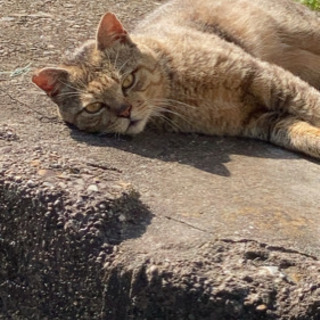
x,y
156,227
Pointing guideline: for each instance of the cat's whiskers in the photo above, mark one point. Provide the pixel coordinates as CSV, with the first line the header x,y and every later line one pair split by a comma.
x,y
174,104
168,111
116,59
82,84
107,54
171,103
69,94
112,126
126,73
68,85
159,111
123,65
165,105
167,120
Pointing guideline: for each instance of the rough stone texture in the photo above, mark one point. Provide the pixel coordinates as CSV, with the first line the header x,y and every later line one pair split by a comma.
x,y
156,227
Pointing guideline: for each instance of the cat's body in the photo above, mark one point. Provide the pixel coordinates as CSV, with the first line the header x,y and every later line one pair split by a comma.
x,y
206,66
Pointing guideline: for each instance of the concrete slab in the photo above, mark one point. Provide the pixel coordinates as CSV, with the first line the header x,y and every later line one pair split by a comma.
x,y
156,227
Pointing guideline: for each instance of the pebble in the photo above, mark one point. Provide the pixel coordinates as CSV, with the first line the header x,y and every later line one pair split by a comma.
x,y
62,185
48,184
93,188
18,178
31,184
153,270
7,19
57,203
35,163
269,270
43,172
102,206
261,307
122,218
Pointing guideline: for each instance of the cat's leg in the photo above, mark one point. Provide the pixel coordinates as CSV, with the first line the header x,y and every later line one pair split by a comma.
x,y
286,131
278,90
298,32
302,63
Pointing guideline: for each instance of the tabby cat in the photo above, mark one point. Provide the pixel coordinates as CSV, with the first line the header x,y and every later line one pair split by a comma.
x,y
227,67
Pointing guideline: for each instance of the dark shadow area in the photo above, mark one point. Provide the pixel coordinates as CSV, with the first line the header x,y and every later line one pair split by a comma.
x,y
52,253
206,153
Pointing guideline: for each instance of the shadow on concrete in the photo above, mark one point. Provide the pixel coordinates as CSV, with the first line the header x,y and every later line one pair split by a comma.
x,y
52,253
206,153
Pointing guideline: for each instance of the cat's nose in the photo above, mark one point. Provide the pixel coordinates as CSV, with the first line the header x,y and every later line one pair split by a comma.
x,y
125,110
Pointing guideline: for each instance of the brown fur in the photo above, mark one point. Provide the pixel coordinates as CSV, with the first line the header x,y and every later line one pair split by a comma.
x,y
206,66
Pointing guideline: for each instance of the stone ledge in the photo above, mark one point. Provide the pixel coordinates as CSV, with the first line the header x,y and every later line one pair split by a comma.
x,y
65,259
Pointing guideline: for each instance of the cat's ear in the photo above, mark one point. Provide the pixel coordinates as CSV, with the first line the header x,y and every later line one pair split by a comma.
x,y
50,80
110,30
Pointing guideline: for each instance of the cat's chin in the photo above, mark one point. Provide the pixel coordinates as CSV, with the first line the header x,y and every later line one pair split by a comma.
x,y
135,127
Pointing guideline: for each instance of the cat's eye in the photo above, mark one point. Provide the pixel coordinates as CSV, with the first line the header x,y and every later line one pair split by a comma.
x,y
94,107
128,81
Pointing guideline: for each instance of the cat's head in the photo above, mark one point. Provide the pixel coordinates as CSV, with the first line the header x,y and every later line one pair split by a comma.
x,y
108,85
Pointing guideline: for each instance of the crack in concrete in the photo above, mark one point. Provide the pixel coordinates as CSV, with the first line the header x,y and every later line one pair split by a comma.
x,y
244,240
268,247
188,224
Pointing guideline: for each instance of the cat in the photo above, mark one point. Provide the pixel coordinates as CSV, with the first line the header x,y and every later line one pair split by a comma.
x,y
216,67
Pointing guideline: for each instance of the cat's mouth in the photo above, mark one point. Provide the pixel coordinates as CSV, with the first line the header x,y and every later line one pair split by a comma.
x,y
133,123
134,126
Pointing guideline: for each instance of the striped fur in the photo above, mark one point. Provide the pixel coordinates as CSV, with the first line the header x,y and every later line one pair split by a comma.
x,y
218,67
